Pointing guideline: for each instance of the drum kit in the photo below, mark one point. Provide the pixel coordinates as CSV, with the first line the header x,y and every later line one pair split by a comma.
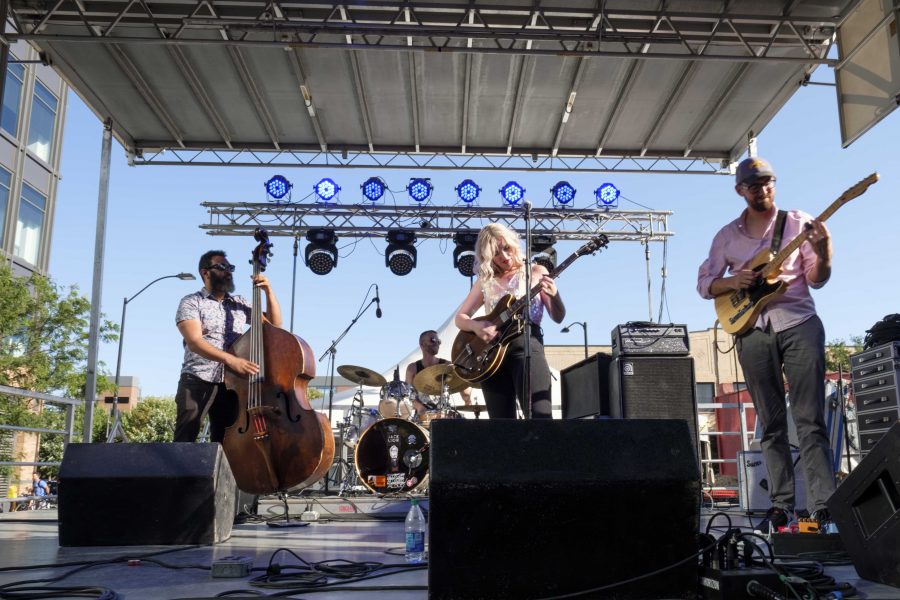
x,y
390,444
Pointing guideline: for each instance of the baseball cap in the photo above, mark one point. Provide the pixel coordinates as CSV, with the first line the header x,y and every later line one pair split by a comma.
x,y
752,168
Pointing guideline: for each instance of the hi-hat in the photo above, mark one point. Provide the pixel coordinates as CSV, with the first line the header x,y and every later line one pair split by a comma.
x,y
362,375
475,408
433,379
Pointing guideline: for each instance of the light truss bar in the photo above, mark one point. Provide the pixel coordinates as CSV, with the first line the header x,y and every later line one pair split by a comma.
x,y
445,27
431,222
438,161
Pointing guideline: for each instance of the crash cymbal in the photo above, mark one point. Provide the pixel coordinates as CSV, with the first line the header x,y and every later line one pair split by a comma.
x,y
432,380
475,408
362,375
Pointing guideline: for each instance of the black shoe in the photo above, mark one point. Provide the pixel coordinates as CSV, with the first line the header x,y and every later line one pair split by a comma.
x,y
775,518
822,517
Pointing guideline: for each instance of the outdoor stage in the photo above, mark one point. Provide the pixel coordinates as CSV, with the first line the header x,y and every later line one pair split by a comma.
x,y
358,528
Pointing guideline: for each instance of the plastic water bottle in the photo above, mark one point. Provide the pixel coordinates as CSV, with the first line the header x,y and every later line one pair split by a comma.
x,y
415,533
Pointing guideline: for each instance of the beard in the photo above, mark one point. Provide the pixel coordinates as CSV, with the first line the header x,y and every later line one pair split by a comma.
x,y
222,284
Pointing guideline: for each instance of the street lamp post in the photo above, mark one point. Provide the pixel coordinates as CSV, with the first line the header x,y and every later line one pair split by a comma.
x,y
115,416
583,324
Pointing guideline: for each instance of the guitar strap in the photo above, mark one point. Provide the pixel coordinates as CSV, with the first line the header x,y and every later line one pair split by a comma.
x,y
779,231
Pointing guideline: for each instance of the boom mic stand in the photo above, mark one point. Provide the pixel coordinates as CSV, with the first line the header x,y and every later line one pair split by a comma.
x,y
331,352
526,384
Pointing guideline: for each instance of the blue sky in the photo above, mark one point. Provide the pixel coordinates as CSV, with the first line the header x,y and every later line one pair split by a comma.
x,y
155,214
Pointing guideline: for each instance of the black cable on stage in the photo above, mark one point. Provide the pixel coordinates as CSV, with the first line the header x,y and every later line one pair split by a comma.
x,y
610,586
713,518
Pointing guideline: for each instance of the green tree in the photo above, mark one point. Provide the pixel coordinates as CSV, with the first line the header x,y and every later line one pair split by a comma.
x,y
44,332
837,353
52,445
152,420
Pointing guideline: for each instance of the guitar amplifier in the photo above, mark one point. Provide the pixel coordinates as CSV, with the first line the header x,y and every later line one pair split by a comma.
x,y
639,338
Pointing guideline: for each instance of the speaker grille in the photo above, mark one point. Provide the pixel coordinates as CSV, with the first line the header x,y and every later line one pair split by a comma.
x,y
654,388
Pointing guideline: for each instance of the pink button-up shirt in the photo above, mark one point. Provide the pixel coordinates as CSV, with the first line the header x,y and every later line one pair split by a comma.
x,y
733,248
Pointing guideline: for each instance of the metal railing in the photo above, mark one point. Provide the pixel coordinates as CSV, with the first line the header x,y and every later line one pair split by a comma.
x,y
707,463
69,405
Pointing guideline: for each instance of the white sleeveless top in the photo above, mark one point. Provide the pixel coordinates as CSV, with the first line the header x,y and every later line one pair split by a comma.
x,y
494,289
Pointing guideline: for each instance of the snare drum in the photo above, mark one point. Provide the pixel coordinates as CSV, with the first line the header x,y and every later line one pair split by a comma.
x,y
432,415
392,456
359,420
397,400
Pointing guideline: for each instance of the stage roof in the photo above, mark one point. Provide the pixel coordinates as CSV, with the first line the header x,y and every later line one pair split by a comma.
x,y
565,84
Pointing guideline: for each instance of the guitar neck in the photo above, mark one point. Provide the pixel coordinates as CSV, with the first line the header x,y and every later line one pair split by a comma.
x,y
857,190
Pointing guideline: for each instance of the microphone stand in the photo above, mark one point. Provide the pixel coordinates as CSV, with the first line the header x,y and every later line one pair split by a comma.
x,y
526,384
332,350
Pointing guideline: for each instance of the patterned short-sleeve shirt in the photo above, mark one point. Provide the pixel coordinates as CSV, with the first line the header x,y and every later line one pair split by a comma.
x,y
222,322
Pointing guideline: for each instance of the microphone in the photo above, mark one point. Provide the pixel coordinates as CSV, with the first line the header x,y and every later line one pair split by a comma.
x,y
377,303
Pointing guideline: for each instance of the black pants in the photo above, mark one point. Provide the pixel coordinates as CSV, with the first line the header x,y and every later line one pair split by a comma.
x,y
504,387
194,399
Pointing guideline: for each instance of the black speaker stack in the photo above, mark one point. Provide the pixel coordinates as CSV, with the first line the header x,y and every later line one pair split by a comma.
x,y
529,509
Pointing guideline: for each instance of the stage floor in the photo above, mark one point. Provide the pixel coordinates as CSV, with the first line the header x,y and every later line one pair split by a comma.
x,y
358,529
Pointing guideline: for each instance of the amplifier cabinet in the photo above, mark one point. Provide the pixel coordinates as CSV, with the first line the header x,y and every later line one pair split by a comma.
x,y
875,374
753,481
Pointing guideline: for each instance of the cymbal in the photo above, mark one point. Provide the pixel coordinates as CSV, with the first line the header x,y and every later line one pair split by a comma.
x,y
432,380
362,375
475,408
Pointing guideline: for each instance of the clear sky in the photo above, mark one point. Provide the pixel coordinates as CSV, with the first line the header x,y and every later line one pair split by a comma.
x,y
155,214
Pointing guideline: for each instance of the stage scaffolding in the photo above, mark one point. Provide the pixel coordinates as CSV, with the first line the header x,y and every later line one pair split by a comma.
x,y
357,220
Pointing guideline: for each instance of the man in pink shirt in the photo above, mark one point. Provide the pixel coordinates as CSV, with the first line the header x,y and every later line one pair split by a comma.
x,y
787,340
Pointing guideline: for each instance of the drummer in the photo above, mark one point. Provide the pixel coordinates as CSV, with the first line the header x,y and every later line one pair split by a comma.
x,y
430,344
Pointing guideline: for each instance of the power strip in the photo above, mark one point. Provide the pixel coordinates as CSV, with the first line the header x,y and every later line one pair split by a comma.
x,y
732,584
231,567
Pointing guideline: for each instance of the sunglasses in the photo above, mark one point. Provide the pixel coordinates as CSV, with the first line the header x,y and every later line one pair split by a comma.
x,y
225,268
755,187
434,341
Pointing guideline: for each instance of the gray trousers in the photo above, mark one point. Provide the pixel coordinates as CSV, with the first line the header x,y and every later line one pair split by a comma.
x,y
767,358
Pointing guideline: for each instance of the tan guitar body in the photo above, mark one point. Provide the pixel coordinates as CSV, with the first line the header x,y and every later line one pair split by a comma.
x,y
738,311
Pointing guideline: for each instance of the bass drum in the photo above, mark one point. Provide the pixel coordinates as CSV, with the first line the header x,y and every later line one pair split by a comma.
x,y
392,456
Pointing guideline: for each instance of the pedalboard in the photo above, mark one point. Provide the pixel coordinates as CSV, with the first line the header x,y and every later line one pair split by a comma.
x,y
806,545
732,584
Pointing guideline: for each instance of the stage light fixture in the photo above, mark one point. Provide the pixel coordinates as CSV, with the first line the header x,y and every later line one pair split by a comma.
x,y
512,193
464,253
400,255
542,250
321,252
419,189
278,187
563,192
607,196
326,190
468,191
373,189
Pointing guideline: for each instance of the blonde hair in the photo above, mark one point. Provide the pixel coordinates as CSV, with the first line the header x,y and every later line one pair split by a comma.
x,y
489,238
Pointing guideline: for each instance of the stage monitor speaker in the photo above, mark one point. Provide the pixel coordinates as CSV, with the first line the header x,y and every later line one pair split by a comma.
x,y
585,387
525,509
866,509
654,387
145,494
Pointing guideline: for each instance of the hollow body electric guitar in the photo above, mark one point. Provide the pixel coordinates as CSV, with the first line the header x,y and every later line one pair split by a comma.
x,y
739,310
475,359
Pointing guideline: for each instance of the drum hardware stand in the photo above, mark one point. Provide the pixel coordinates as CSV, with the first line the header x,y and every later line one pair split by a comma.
x,y
331,352
287,516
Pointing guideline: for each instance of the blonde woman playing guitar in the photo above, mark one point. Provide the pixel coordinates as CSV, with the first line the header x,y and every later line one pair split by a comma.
x,y
501,272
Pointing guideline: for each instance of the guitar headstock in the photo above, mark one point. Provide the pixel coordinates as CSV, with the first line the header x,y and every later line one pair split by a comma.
x,y
598,243
857,190
262,251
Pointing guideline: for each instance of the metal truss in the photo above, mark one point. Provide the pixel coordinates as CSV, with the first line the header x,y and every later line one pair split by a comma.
x,y
432,222
437,161
523,28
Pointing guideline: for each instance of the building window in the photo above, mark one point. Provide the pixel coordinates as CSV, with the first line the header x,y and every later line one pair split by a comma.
x,y
5,181
29,229
43,117
12,94
706,392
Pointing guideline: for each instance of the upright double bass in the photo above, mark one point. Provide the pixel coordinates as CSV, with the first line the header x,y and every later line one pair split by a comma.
x,y
277,440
